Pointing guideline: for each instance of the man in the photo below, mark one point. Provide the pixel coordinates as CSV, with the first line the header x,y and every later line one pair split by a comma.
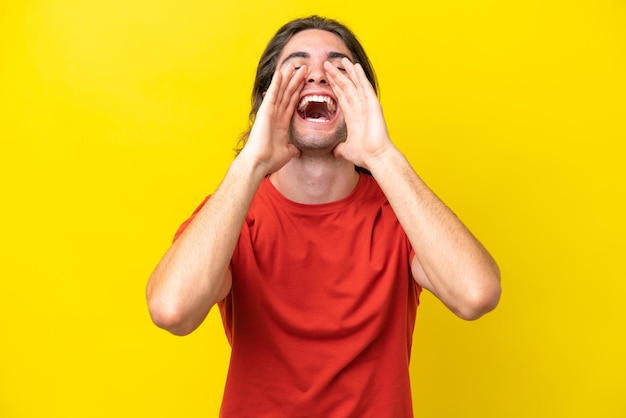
x,y
317,244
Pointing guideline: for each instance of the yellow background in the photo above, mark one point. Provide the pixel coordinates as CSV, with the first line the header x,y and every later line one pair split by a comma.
x,y
118,117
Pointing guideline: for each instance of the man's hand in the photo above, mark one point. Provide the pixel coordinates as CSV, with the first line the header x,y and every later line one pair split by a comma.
x,y
268,143
449,261
367,132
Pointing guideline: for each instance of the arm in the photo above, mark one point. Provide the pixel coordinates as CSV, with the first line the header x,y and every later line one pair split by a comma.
x,y
449,261
194,273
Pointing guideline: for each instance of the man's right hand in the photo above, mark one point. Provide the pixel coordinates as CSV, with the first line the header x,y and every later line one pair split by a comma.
x,y
268,144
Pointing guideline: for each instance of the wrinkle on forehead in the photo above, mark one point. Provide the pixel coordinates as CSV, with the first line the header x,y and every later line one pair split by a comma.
x,y
308,43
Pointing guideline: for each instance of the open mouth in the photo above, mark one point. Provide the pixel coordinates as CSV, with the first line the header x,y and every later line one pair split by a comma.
x,y
317,108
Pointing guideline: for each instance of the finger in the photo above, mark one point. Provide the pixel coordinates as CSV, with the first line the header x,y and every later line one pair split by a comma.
x,y
286,73
339,82
340,79
271,92
350,71
358,77
281,81
292,76
278,84
363,81
291,95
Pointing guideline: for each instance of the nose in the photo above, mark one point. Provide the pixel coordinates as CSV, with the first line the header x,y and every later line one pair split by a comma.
x,y
317,75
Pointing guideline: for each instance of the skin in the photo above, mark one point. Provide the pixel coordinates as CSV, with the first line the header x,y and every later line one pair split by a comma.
x,y
313,162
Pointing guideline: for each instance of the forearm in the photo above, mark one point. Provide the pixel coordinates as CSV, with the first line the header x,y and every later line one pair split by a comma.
x,y
455,266
190,278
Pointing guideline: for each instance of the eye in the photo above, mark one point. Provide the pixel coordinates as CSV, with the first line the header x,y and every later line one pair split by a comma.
x,y
343,70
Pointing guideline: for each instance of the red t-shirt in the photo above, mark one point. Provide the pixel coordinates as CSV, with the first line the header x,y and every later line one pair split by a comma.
x,y
321,313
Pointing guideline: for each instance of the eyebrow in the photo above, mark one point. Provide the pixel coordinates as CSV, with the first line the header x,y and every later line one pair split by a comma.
x,y
301,54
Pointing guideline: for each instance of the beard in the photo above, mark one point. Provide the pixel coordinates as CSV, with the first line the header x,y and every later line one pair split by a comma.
x,y
318,143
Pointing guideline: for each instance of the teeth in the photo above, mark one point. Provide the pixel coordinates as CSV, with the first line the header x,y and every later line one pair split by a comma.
x,y
318,99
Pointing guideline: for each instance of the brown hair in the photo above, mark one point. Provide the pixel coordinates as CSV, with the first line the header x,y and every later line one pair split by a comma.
x,y
268,61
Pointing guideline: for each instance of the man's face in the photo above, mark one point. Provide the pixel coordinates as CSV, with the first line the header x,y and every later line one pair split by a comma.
x,y
317,123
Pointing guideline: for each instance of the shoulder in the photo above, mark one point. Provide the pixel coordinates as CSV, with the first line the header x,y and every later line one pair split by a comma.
x,y
371,191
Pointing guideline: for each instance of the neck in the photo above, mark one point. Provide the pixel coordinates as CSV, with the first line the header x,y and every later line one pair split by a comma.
x,y
312,180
